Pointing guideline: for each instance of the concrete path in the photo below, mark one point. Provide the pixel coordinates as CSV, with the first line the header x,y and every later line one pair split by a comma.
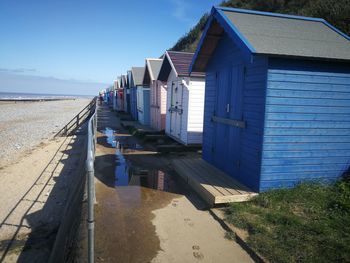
x,y
144,211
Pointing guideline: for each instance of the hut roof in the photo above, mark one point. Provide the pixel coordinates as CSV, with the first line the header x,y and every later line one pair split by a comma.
x,y
272,34
152,69
179,62
137,75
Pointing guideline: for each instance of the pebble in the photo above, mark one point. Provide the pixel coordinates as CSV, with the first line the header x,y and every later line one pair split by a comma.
x,y
25,125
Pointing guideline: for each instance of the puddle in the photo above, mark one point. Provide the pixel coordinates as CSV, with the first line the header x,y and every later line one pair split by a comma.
x,y
120,141
139,185
126,175
121,170
154,179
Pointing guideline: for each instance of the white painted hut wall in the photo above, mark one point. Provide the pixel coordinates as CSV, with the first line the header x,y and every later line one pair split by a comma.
x,y
196,111
184,106
191,125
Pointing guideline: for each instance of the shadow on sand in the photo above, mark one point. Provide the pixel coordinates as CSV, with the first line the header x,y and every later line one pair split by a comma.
x,y
51,205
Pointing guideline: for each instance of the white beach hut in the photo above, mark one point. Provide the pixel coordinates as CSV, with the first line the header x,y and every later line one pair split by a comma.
x,y
185,98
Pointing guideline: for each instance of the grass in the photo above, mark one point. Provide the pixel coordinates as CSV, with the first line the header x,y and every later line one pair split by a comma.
x,y
309,223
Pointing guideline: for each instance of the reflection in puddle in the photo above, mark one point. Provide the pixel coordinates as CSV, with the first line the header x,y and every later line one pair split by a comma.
x,y
121,169
126,175
154,179
110,136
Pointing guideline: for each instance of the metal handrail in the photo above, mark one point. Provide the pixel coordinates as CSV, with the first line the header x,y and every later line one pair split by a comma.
x,y
74,123
90,174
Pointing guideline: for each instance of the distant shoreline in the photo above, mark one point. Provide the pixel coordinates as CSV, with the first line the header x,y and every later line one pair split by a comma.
x,y
35,99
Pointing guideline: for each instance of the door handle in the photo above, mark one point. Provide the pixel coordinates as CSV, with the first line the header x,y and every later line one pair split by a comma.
x,y
227,107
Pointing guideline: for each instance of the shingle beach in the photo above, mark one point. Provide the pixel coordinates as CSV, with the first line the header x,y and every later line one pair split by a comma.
x,y
24,125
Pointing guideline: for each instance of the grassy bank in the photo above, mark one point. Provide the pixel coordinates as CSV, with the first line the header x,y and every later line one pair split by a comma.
x,y
310,223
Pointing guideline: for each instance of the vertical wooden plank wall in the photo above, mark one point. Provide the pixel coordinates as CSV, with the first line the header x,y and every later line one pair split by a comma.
x,y
253,104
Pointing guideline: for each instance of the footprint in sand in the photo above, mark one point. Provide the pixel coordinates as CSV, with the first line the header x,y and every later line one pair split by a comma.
x,y
189,222
197,254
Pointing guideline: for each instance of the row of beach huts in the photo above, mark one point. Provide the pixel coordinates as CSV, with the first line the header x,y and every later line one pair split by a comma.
x,y
266,95
164,96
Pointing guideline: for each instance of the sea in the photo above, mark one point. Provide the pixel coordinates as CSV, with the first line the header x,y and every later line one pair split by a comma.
x,y
38,96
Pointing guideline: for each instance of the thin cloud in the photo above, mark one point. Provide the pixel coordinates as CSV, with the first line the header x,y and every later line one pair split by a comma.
x,y
10,82
18,70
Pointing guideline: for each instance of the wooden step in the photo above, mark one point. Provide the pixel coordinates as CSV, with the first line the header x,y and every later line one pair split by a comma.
x,y
212,184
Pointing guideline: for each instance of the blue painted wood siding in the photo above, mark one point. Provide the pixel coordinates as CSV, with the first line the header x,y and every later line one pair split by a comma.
x,y
307,122
146,105
253,107
133,103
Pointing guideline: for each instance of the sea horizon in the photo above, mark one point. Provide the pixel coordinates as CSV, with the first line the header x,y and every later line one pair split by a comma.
x,y
28,95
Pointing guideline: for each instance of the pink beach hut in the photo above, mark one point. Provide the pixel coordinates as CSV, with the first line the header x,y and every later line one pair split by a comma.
x,y
158,93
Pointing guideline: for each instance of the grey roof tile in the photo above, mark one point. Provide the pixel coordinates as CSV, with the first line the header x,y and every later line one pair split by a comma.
x,y
277,35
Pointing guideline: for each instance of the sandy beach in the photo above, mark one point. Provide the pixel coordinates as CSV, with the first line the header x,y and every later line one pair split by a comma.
x,y
24,125
37,173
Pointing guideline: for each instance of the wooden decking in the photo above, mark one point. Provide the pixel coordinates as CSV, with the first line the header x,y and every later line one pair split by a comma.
x,y
210,183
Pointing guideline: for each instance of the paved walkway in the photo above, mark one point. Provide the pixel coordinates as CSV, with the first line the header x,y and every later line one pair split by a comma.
x,y
144,211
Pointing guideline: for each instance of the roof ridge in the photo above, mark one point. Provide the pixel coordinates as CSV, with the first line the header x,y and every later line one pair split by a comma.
x,y
264,13
154,59
137,67
180,51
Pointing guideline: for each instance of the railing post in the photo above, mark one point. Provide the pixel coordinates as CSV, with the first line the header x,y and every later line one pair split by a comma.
x,y
91,197
90,219
90,173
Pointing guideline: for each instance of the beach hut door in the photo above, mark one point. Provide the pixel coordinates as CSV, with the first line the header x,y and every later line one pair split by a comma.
x,y
227,107
176,109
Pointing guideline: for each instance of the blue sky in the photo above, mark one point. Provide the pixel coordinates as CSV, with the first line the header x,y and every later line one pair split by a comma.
x,y
73,44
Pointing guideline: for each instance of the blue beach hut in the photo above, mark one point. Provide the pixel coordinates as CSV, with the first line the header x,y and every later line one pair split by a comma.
x,y
277,97
133,93
142,95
